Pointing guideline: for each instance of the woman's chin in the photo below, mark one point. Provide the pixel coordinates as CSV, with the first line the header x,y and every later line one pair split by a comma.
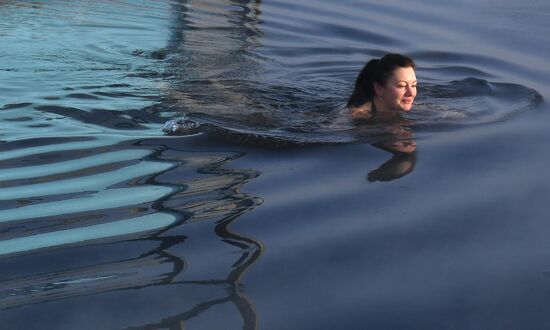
x,y
406,107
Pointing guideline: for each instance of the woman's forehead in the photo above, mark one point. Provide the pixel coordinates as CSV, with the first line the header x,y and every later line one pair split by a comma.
x,y
404,74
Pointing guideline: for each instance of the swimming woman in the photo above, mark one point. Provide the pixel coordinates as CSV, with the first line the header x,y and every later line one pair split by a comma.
x,y
384,87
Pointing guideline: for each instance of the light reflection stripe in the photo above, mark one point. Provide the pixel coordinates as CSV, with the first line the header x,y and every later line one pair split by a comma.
x,y
107,199
118,228
33,151
94,182
72,165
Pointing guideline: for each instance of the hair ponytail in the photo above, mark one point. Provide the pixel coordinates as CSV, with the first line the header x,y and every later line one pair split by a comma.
x,y
364,85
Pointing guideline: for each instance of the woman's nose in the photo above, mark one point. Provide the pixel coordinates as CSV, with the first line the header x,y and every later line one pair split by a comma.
x,y
410,90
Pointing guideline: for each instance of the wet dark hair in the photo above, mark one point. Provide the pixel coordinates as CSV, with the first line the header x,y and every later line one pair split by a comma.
x,y
376,71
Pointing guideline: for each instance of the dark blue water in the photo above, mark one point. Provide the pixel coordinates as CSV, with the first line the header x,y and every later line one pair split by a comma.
x,y
276,212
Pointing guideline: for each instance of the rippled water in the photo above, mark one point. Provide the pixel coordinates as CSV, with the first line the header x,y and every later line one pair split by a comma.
x,y
271,209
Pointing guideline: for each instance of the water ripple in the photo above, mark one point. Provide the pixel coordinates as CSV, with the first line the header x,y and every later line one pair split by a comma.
x,y
93,200
305,70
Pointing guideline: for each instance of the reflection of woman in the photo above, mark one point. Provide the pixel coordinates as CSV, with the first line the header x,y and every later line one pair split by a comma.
x,y
401,164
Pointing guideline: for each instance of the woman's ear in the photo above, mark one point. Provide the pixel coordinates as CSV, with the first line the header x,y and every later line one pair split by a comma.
x,y
378,89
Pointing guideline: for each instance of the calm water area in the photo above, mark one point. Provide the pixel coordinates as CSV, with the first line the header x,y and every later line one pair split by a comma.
x,y
274,211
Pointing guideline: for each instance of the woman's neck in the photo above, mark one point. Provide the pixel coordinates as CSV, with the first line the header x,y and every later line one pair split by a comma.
x,y
379,105
382,109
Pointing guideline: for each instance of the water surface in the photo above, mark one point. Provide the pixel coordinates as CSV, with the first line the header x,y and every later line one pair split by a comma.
x,y
277,212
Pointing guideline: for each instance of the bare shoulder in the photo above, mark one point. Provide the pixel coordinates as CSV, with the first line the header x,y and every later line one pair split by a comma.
x,y
362,112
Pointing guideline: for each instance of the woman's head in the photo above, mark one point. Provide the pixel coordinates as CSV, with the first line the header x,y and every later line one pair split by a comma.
x,y
391,80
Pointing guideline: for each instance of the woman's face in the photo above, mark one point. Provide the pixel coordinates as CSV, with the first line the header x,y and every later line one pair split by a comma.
x,y
400,90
